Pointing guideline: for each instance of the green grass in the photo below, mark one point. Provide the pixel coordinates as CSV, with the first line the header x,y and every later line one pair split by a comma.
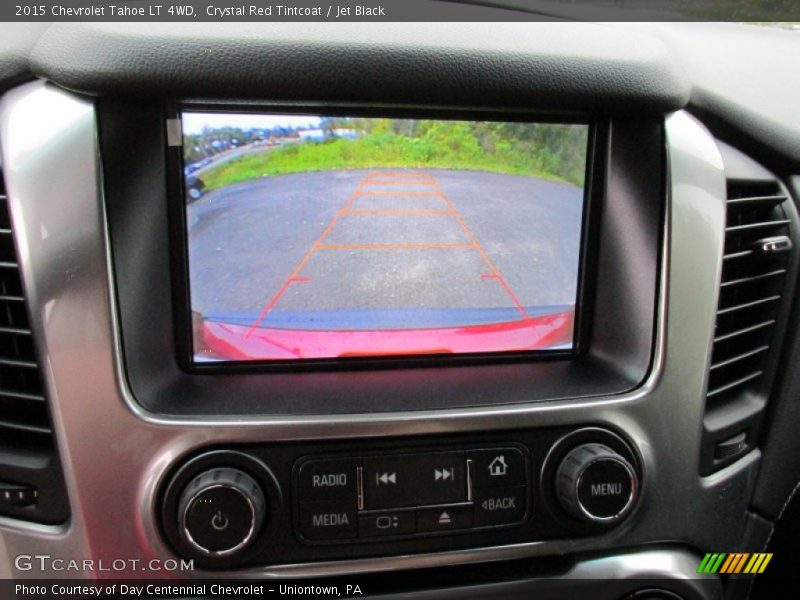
x,y
389,150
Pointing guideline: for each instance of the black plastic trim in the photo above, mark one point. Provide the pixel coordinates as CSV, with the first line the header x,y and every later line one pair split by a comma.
x,y
273,466
592,194
629,215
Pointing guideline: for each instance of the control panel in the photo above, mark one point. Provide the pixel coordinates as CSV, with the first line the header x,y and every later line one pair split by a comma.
x,y
277,503
401,495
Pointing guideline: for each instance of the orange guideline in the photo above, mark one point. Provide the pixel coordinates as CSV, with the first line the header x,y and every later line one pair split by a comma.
x,y
377,179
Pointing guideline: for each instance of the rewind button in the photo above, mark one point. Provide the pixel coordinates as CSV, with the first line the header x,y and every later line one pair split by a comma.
x,y
385,478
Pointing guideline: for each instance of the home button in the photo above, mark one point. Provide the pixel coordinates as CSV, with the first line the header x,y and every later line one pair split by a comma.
x,y
495,467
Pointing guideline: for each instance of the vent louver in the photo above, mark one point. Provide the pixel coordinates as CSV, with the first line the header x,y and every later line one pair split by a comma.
x,y
758,256
31,480
23,410
753,278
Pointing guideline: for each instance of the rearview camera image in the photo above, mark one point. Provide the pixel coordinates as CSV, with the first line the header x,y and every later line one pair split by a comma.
x,y
314,237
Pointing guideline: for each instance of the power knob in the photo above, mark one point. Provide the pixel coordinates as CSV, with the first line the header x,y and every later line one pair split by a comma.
x,y
221,511
596,484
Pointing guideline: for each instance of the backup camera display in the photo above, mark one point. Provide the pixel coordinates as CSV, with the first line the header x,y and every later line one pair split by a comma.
x,y
313,237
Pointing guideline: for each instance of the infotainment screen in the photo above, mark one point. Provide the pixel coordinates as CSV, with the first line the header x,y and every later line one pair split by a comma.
x,y
322,237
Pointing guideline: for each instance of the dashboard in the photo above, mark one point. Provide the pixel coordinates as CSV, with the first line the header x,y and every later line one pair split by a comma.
x,y
156,407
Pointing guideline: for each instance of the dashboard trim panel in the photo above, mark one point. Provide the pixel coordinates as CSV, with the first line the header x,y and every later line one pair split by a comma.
x,y
114,462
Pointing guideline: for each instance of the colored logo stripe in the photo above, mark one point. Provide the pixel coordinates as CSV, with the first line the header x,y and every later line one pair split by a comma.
x,y
733,563
711,563
729,563
758,563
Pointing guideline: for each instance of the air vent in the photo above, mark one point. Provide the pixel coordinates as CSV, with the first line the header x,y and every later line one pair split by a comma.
x,y
757,246
31,483
22,404
759,252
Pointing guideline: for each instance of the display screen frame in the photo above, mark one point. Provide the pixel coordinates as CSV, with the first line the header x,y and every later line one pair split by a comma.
x,y
594,184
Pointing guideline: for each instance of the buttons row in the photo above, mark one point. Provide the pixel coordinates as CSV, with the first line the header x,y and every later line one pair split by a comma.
x,y
406,480
406,521
340,520
404,494
410,480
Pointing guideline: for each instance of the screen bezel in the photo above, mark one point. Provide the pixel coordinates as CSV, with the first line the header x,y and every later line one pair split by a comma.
x,y
594,178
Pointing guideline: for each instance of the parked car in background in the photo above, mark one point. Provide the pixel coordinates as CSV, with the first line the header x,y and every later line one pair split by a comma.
x,y
195,187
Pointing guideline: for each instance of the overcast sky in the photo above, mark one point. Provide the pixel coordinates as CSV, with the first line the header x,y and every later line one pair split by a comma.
x,y
194,122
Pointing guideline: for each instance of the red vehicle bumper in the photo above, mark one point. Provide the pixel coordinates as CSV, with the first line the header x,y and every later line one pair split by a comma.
x,y
223,341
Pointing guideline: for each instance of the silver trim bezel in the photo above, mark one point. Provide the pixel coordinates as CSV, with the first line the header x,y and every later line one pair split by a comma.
x,y
116,455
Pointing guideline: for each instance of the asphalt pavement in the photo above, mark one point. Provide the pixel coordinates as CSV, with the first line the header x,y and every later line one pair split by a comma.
x,y
384,248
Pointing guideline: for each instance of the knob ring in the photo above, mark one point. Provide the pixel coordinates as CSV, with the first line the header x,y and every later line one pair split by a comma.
x,y
629,503
186,532
574,519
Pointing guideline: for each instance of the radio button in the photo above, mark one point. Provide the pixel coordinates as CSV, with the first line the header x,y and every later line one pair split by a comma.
x,y
444,518
414,479
497,467
398,522
328,479
499,506
328,520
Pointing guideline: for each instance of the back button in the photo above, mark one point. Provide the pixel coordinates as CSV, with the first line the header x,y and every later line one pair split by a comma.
x,y
499,506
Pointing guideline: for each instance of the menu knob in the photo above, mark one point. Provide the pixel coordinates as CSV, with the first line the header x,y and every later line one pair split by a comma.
x,y
595,484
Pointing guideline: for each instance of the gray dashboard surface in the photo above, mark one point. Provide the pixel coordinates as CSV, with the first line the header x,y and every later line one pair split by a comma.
x,y
555,66
742,78
16,43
